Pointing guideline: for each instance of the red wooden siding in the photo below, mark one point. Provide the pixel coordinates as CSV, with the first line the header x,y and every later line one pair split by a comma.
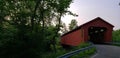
x,y
80,34
99,23
74,38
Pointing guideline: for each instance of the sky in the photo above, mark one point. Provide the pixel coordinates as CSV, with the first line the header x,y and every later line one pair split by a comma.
x,y
87,10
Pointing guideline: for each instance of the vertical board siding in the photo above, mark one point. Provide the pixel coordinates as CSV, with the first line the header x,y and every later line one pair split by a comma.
x,y
73,38
77,36
99,23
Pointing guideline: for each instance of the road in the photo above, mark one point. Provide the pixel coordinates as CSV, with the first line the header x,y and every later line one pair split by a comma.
x,y
107,51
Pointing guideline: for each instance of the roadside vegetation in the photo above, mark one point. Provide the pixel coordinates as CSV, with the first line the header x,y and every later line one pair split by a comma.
x,y
85,54
32,28
116,37
62,51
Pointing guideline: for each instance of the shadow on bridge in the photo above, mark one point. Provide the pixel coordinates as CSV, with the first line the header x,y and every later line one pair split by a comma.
x,y
96,34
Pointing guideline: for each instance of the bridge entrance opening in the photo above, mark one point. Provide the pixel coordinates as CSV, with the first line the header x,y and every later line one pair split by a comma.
x,y
96,34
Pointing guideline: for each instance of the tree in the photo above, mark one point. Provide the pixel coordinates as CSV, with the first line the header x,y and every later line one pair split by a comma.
x,y
73,24
116,35
32,24
64,28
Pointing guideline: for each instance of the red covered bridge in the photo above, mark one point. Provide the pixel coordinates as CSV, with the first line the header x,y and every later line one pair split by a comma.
x,y
96,31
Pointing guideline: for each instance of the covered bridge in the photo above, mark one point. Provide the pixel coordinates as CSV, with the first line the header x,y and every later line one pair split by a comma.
x,y
96,31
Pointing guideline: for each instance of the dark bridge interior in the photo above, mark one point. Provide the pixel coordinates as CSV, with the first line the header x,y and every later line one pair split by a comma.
x,y
96,34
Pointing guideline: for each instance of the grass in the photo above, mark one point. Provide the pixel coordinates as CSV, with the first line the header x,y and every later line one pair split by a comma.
x,y
61,51
53,55
115,44
85,54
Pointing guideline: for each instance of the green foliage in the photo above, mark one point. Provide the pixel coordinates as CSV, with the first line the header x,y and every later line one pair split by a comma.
x,y
61,51
28,28
73,24
85,54
116,36
53,55
64,28
7,33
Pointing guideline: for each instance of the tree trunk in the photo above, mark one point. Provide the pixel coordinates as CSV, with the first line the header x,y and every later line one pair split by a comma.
x,y
58,28
34,13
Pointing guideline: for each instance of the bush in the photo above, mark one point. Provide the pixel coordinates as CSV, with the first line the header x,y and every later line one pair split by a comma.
x,y
61,51
116,36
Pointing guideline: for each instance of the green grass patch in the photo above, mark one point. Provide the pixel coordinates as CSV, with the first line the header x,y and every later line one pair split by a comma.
x,y
61,51
85,54
116,44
